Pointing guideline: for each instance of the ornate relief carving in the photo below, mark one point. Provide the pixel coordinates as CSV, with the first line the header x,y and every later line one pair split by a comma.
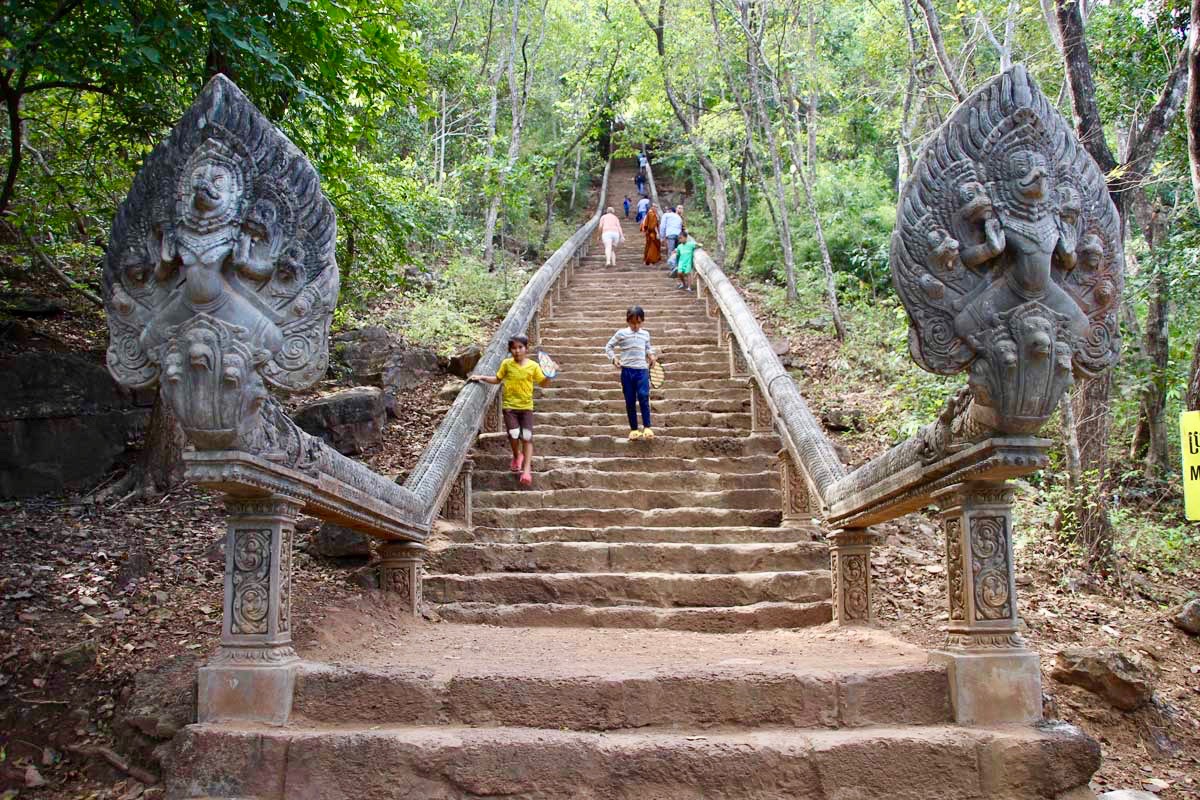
x,y
286,535
1007,255
954,569
990,567
855,571
737,360
759,409
220,274
251,601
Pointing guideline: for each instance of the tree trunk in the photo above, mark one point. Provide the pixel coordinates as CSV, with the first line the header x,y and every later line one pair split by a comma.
x,y
575,180
744,200
939,49
1192,399
1193,99
161,461
1093,419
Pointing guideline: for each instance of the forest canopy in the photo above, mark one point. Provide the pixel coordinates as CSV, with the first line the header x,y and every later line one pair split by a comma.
x,y
460,138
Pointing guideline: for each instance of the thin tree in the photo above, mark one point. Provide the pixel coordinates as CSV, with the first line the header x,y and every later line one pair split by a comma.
x,y
1093,414
713,179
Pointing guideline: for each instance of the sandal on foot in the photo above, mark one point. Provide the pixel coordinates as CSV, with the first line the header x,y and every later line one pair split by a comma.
x,y
648,434
635,435
526,479
515,466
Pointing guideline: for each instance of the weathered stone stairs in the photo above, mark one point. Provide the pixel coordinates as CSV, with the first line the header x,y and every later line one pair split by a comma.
x,y
573,689
682,532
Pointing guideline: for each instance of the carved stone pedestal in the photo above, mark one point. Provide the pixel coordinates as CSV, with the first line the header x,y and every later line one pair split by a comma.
x,y
722,330
760,412
798,505
253,673
493,418
457,506
994,677
400,572
850,567
737,360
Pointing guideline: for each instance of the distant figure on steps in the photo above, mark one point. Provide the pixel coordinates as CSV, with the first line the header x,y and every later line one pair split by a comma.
x,y
627,205
652,253
519,373
610,235
629,349
643,208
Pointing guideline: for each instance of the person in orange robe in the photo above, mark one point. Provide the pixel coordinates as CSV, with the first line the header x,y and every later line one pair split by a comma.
x,y
652,254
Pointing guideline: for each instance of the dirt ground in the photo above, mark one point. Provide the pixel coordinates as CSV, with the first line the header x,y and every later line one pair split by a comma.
x,y
97,601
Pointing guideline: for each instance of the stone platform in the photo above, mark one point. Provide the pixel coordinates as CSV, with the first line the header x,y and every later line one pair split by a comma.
x,y
469,711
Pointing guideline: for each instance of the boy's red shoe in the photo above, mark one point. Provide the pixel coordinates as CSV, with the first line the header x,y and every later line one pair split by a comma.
x,y
526,479
515,466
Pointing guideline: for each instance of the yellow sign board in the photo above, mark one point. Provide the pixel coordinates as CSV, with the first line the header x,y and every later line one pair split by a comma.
x,y
1189,434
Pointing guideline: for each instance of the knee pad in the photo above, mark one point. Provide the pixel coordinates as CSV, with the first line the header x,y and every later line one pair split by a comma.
x,y
527,434
514,433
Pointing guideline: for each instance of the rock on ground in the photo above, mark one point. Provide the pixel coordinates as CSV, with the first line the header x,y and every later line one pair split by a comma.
x,y
63,422
350,421
337,541
404,371
1108,673
464,361
364,352
1128,794
1188,618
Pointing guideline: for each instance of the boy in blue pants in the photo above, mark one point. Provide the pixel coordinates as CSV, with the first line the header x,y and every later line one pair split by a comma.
x,y
630,350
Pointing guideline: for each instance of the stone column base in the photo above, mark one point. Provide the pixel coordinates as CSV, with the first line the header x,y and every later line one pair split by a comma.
x,y
400,572
236,692
992,687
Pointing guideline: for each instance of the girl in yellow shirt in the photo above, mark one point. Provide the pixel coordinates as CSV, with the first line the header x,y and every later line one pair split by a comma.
x,y
519,374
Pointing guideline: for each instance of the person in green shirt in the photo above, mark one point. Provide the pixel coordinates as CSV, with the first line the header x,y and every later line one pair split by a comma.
x,y
519,374
685,255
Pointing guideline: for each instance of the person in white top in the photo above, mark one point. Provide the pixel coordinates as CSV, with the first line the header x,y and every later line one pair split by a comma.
x,y
610,235
642,207
669,230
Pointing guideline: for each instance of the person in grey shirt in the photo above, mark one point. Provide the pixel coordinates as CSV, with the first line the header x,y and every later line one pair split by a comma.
x,y
669,230
631,351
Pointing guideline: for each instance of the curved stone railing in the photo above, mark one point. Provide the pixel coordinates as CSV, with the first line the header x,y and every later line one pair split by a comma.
x,y
433,478
1021,341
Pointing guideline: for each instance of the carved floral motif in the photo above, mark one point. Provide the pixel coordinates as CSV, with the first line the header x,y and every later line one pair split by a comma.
x,y
251,602
855,574
990,567
954,569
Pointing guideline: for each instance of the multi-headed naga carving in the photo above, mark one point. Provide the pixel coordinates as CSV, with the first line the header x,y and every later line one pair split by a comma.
x,y
1007,257
220,276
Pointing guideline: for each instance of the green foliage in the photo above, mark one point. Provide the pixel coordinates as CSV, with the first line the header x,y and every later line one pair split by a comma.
x,y
460,309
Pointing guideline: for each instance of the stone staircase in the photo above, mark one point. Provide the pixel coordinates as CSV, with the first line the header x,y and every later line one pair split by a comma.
x,y
651,630
682,532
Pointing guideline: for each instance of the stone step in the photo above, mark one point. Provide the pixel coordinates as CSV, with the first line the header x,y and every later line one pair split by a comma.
x,y
498,461
702,390
563,327
698,352
707,620
450,762
725,404
593,497
611,381
666,419
559,479
657,589
620,427
598,338
728,534
597,371
620,445
830,697
472,559
633,517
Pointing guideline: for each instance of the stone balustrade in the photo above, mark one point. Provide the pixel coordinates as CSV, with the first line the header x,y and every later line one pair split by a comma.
x,y
1004,190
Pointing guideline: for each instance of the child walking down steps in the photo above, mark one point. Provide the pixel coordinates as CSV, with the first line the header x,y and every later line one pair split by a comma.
x,y
519,373
630,349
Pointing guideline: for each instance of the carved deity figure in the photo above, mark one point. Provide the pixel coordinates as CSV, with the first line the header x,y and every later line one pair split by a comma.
x,y
1007,256
220,276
